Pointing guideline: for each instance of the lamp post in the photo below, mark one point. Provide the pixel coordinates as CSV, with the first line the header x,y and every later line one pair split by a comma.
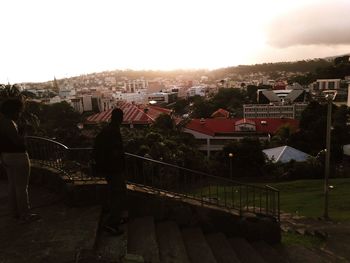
x,y
230,155
328,156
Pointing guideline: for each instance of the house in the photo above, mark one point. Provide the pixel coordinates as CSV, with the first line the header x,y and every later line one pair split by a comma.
x,y
139,115
212,134
221,113
284,154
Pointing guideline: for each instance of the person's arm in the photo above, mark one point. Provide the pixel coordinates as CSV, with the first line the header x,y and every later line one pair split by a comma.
x,y
10,132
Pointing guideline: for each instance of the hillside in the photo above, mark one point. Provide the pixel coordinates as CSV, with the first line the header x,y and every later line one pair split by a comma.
x,y
272,70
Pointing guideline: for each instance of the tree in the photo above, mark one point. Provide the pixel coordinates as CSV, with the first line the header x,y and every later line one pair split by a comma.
x,y
201,108
181,106
247,158
341,60
28,121
58,121
282,135
164,122
230,99
252,93
311,137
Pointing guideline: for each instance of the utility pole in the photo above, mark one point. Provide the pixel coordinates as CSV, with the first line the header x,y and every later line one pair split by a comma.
x,y
328,156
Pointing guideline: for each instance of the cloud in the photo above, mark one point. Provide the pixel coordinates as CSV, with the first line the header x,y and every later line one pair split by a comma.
x,y
327,23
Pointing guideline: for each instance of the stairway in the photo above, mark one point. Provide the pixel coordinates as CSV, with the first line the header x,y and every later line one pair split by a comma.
x,y
166,242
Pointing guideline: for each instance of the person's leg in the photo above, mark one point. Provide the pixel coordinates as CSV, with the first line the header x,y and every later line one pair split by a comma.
x,y
12,200
22,179
115,211
116,204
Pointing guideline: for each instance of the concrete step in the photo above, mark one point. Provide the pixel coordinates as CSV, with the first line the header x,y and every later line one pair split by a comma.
x,y
221,248
61,234
171,245
198,249
142,239
245,252
268,253
112,248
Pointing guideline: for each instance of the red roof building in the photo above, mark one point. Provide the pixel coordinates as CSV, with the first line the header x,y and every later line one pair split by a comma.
x,y
215,133
221,113
133,114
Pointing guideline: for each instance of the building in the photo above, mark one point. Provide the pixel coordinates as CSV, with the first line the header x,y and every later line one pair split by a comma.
x,y
221,113
87,102
162,97
327,84
134,115
136,97
281,96
285,154
213,134
292,111
77,104
197,91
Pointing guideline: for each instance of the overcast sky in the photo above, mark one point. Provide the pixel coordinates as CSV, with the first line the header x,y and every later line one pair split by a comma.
x,y
41,39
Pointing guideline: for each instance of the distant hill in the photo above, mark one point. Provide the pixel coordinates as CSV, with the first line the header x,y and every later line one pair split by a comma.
x,y
273,70
302,66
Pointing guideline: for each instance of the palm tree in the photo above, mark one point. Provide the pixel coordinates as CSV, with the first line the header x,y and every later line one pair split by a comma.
x,y
29,122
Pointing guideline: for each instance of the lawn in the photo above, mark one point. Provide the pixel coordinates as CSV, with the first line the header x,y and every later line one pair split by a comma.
x,y
305,197
301,197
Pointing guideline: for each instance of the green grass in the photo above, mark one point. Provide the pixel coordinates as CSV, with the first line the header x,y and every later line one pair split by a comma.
x,y
305,197
301,197
302,240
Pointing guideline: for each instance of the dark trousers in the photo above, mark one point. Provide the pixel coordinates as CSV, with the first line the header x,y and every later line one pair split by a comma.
x,y
116,198
17,167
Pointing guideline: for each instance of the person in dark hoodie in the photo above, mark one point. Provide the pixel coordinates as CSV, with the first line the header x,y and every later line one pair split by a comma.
x,y
110,163
15,160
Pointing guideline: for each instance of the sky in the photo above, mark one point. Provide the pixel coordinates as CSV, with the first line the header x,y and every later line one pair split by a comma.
x,y
43,39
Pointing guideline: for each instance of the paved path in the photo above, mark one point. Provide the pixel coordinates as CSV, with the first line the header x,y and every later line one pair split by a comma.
x,y
335,234
58,237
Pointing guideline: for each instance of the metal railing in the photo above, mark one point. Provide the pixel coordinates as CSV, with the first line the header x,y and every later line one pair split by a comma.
x,y
163,178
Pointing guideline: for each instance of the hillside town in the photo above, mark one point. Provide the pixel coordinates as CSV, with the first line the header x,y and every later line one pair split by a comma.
x,y
245,161
272,103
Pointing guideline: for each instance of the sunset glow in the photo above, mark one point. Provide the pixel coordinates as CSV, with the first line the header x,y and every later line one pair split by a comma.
x,y
42,39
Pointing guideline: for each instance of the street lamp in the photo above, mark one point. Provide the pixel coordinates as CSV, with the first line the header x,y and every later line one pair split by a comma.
x,y
328,155
230,155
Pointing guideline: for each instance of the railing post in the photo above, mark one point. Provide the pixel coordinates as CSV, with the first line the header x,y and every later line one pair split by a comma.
x,y
225,196
233,196
278,203
217,194
209,192
260,197
254,199
201,186
247,197
267,200
240,200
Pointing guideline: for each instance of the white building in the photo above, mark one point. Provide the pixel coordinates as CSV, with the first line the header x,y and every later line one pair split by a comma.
x,y
327,84
197,90
65,93
292,111
162,97
77,104
139,97
87,102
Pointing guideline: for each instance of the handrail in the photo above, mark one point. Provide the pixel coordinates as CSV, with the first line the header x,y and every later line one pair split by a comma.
x,y
48,140
164,177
